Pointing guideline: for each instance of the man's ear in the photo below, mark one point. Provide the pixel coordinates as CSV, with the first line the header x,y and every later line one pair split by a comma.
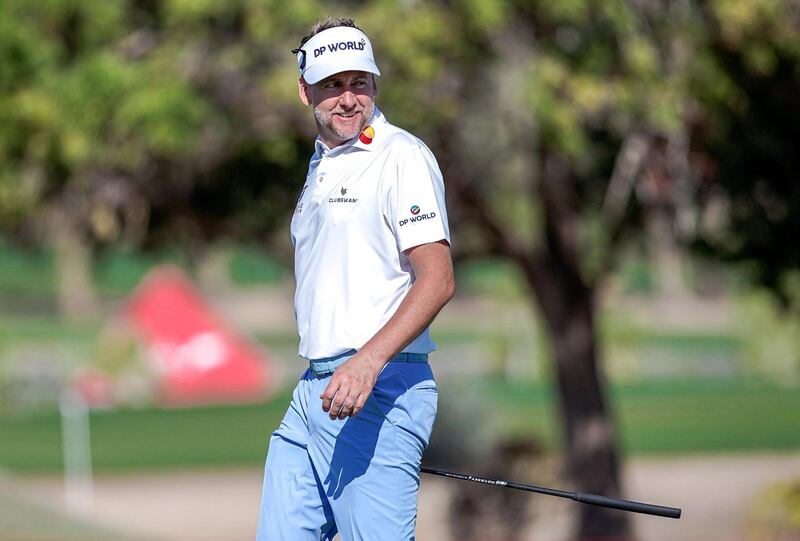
x,y
304,91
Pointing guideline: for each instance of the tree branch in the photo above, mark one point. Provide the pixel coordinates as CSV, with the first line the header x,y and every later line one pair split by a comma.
x,y
627,166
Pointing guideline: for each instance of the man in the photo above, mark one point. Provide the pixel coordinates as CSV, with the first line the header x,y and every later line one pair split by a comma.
x,y
373,269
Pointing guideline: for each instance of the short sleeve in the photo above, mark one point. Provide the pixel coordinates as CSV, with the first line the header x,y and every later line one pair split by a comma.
x,y
416,206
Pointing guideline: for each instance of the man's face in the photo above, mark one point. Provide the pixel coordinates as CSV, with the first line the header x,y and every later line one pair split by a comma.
x,y
343,104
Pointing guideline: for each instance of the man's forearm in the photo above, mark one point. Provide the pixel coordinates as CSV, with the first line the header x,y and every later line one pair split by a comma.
x,y
353,381
416,312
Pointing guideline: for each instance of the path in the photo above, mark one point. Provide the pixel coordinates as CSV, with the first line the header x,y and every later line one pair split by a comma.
x,y
221,505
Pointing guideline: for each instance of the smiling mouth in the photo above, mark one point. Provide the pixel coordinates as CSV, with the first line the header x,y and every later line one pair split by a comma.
x,y
347,115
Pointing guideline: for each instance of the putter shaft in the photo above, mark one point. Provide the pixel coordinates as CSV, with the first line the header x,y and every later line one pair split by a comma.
x,y
591,499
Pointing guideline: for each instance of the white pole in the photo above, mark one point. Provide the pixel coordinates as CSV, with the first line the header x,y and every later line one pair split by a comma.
x,y
77,446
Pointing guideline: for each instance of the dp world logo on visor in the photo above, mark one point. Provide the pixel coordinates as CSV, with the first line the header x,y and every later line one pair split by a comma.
x,y
335,50
414,210
340,46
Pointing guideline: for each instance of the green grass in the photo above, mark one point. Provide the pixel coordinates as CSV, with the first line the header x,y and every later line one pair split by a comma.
x,y
25,272
677,342
669,417
709,416
655,418
147,438
45,330
251,265
118,272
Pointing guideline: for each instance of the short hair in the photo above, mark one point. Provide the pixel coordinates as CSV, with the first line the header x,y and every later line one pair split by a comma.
x,y
327,24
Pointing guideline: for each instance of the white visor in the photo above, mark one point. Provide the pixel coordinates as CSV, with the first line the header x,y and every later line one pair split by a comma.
x,y
335,50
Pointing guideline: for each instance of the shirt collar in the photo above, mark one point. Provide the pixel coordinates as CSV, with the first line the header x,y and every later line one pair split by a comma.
x,y
377,123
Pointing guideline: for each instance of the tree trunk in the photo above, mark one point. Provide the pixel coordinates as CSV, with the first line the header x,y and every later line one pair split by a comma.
x,y
590,442
553,272
75,292
567,303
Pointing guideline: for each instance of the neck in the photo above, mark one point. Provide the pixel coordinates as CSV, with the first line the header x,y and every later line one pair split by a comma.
x,y
329,138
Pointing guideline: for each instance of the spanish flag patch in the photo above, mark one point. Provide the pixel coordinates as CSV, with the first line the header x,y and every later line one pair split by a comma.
x,y
367,134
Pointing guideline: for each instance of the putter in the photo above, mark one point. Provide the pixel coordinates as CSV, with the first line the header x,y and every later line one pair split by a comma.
x,y
591,499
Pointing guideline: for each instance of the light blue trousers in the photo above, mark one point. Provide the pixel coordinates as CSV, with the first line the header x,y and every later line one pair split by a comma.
x,y
358,476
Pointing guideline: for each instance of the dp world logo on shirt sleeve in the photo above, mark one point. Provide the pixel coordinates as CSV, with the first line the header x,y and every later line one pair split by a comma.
x,y
416,216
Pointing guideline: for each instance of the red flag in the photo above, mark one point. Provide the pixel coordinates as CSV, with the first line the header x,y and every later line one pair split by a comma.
x,y
196,357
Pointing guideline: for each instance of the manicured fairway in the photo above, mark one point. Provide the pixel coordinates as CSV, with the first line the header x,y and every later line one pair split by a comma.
x,y
149,438
672,416
656,418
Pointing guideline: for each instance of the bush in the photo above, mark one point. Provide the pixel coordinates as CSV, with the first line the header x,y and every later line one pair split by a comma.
x,y
776,515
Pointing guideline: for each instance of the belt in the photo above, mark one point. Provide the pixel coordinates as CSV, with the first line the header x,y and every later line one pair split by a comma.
x,y
327,365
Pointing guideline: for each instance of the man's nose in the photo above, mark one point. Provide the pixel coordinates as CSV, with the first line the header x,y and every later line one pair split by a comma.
x,y
347,98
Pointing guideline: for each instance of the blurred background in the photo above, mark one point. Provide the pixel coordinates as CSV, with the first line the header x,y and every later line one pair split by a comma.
x,y
623,197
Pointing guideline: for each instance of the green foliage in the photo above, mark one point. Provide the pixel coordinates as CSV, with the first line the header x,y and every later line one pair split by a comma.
x,y
94,92
606,65
747,85
23,56
413,45
180,90
485,15
776,513
75,101
197,12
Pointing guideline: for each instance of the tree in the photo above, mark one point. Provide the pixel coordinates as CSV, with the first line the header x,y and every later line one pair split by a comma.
x,y
80,117
748,88
126,123
580,126
559,112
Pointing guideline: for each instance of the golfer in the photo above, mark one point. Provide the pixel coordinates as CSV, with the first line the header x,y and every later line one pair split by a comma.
x,y
373,269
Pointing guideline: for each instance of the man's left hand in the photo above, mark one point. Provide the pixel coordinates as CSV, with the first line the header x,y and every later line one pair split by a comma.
x,y
349,388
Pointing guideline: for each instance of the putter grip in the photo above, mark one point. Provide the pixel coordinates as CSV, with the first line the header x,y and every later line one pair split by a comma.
x,y
627,505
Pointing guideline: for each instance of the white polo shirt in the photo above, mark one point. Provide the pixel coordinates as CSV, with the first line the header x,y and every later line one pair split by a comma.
x,y
362,205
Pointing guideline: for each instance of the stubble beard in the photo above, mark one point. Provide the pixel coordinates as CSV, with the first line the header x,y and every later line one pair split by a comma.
x,y
325,120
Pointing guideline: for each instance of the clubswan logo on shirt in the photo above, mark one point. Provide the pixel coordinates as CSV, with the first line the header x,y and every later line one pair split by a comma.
x,y
416,216
343,199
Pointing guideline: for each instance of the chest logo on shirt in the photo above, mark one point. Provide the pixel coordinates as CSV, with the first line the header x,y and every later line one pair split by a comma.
x,y
343,199
299,208
416,216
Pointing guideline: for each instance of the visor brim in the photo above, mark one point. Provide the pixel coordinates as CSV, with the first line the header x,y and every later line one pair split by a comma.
x,y
316,73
